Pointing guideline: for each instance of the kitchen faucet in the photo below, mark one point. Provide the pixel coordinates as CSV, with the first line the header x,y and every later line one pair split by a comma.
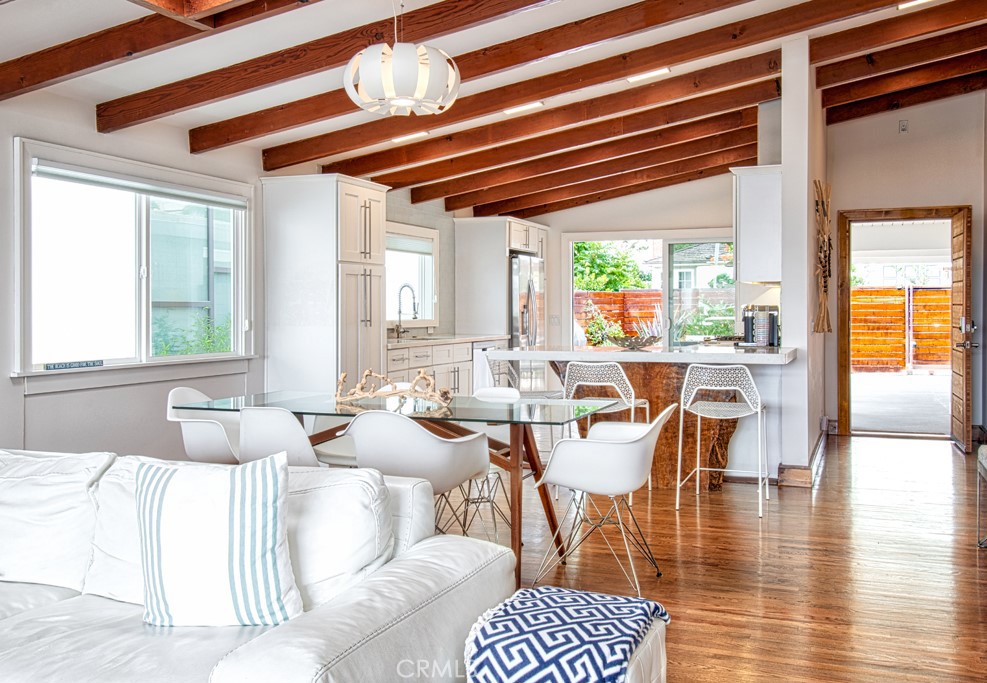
x,y
399,330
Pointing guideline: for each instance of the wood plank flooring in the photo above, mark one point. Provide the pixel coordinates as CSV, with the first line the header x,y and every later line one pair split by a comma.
x,y
872,575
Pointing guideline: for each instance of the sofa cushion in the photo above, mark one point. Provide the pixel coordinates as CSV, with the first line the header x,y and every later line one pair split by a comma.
x,y
214,544
21,597
47,516
339,530
416,611
88,639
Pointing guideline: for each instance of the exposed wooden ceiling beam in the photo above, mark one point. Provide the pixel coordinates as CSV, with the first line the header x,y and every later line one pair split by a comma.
x,y
902,57
697,107
904,27
536,46
168,8
627,190
302,60
622,165
707,43
651,139
905,79
203,8
637,177
121,43
196,13
679,87
93,52
907,98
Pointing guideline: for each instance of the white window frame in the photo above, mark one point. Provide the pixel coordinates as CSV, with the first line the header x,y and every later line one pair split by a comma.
x,y
143,178
666,302
679,273
421,233
668,235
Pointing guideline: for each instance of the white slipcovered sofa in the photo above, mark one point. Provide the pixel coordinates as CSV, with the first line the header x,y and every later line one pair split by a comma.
x,y
385,600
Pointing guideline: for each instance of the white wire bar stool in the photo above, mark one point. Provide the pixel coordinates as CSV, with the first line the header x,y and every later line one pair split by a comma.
x,y
737,378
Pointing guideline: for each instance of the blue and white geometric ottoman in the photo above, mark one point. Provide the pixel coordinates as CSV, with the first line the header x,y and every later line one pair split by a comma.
x,y
559,635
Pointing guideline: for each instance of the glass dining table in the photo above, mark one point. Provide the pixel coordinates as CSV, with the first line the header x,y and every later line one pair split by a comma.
x,y
521,415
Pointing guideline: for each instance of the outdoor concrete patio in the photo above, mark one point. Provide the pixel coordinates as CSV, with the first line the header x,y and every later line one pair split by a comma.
x,y
899,402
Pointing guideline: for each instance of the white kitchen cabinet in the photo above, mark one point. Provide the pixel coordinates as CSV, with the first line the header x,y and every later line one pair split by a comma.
x,y
361,306
317,311
757,223
450,364
522,236
541,242
457,377
361,223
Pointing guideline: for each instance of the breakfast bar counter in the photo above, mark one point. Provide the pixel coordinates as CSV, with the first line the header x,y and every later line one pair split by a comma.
x,y
657,375
720,352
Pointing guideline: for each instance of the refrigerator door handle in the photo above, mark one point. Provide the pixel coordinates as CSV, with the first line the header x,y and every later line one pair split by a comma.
x,y
532,309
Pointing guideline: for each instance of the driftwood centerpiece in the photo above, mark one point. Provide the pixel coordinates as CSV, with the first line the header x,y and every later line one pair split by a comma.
x,y
376,385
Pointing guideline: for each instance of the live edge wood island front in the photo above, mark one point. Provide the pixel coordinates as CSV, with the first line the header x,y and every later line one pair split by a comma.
x,y
657,376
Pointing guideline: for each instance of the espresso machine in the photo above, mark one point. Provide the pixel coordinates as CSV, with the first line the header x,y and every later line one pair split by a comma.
x,y
761,326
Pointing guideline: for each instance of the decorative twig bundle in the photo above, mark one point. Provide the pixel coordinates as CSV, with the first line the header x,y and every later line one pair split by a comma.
x,y
824,256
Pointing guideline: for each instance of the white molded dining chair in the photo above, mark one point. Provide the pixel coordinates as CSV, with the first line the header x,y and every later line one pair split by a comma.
x,y
397,445
269,430
340,452
208,435
483,490
613,460
606,374
736,378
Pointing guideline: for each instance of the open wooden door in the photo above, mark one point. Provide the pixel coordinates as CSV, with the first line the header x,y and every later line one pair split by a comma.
x,y
962,325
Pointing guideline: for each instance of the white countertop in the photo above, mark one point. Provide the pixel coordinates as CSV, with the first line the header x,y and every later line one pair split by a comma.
x,y
410,342
698,353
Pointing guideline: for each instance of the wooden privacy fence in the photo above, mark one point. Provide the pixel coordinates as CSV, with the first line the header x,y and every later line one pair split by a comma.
x,y
626,307
895,329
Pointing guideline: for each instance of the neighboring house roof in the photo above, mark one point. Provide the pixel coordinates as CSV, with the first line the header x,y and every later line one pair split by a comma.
x,y
704,253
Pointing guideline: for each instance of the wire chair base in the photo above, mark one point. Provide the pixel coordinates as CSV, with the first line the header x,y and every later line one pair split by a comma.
x,y
631,535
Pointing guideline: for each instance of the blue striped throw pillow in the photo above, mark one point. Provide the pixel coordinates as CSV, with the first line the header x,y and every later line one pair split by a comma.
x,y
214,548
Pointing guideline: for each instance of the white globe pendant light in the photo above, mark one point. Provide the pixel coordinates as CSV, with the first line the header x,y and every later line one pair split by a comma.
x,y
402,79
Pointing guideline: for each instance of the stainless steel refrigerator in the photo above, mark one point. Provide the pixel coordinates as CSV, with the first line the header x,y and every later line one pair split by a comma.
x,y
528,319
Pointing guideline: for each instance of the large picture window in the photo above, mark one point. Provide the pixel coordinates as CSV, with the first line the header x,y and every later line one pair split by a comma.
x,y
119,269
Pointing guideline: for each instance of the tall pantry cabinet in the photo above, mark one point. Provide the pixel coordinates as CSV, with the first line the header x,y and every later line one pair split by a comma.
x,y
324,258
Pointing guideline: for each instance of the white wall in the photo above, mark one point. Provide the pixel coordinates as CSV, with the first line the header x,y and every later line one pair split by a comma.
x,y
939,162
115,410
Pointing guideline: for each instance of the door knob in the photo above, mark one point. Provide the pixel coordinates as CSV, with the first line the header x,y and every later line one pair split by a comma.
x,y
967,345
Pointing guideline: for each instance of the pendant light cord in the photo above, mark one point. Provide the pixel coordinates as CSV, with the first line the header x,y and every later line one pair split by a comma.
x,y
394,9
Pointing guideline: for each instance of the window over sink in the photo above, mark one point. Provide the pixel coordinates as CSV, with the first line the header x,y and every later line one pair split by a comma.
x,y
412,264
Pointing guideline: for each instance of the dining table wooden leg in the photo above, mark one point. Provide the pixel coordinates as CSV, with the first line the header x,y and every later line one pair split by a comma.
x,y
534,462
517,474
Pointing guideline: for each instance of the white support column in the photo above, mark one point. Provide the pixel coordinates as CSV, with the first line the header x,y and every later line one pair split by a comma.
x,y
803,160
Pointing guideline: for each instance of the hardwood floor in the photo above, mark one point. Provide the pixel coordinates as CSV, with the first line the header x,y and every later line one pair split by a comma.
x,y
872,575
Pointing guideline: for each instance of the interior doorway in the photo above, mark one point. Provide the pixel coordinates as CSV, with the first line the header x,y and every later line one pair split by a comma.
x,y
904,322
